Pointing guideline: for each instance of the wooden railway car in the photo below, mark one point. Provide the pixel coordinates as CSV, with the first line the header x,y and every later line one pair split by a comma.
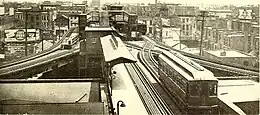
x,y
193,87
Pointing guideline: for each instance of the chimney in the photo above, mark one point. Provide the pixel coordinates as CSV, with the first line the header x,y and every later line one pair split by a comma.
x,y
104,20
223,53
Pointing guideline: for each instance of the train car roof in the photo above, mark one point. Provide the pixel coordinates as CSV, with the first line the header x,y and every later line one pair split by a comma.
x,y
190,70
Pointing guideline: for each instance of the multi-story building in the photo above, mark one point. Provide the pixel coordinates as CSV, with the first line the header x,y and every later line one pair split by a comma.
x,y
36,18
73,8
186,18
49,6
232,57
61,25
73,20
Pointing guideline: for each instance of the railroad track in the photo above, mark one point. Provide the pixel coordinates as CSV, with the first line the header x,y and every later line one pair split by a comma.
x,y
52,49
151,65
218,66
148,94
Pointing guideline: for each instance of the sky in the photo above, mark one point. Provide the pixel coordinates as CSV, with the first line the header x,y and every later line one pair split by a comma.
x,y
219,2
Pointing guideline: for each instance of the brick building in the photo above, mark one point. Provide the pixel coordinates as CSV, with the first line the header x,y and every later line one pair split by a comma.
x,y
231,56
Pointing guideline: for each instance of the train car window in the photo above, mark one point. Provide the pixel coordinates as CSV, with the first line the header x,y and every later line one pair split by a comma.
x,y
194,90
212,90
163,66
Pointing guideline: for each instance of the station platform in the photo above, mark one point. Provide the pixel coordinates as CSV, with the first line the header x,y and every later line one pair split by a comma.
x,y
123,89
241,95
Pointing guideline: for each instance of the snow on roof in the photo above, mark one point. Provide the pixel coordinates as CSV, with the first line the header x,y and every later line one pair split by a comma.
x,y
99,28
236,35
170,42
113,51
195,71
228,53
238,90
178,46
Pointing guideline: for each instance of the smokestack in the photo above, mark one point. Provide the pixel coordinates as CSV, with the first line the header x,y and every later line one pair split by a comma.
x,y
104,21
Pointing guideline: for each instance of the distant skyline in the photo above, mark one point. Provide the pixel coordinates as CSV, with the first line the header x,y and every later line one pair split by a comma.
x,y
188,2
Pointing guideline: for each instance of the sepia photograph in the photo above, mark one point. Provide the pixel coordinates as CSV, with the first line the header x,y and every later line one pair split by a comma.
x,y
129,57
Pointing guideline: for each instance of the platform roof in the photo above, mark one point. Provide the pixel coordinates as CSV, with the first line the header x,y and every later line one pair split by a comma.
x,y
115,51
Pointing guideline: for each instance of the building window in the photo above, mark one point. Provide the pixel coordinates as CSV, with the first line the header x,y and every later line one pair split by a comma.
x,y
212,90
183,20
32,18
246,63
187,29
37,17
94,40
194,90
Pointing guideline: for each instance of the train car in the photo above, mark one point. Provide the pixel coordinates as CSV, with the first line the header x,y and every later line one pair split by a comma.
x,y
193,87
69,41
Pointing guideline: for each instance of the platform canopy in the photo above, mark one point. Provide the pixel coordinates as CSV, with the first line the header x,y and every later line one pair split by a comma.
x,y
115,51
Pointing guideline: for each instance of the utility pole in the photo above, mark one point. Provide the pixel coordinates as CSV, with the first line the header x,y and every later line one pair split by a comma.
x,y
160,38
202,30
40,29
25,47
180,38
41,34
59,24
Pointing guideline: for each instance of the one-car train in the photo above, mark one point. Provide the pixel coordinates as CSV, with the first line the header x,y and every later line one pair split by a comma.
x,y
193,87
69,41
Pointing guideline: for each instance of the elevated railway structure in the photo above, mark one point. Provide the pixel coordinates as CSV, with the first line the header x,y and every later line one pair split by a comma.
x,y
147,59
225,107
53,48
123,22
240,71
42,62
148,94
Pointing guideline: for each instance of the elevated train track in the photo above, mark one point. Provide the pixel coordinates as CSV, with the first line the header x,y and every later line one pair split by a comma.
x,y
146,58
244,74
52,49
148,94
39,62
206,63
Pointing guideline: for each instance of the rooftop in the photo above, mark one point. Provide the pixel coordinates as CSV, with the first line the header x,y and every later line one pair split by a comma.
x,y
238,90
114,49
228,53
98,28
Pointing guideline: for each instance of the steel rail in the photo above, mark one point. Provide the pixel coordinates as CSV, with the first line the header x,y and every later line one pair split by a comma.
x,y
148,94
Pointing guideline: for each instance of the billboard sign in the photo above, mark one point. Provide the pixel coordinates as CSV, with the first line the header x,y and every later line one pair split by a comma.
x,y
18,35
